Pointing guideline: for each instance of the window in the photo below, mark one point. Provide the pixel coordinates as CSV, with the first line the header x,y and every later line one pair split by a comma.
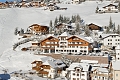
x,y
73,73
74,79
72,50
83,74
77,74
85,51
75,50
77,78
78,69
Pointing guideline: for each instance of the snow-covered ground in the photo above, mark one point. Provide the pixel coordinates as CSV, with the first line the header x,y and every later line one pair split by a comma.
x,y
11,18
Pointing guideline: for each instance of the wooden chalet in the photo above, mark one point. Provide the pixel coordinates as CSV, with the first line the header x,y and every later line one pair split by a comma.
x,y
48,45
94,27
48,67
75,41
39,29
3,5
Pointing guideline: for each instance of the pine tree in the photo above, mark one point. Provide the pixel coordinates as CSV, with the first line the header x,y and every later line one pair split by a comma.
x,y
87,31
110,23
73,19
56,21
51,27
118,30
114,29
97,9
60,18
65,20
78,18
78,28
107,30
16,31
22,31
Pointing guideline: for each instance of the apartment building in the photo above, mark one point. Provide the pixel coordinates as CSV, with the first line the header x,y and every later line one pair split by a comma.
x,y
66,43
111,40
78,71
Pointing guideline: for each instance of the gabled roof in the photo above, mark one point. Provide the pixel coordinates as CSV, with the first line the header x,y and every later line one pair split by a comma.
x,y
99,69
81,37
83,66
65,34
107,35
44,59
50,37
110,5
93,24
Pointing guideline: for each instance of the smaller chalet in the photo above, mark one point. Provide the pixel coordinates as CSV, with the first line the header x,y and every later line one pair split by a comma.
x,y
111,8
48,67
94,27
3,5
63,26
38,29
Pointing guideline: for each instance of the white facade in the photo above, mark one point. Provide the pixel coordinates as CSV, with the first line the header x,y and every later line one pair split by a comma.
x,y
99,73
64,48
79,71
117,50
111,40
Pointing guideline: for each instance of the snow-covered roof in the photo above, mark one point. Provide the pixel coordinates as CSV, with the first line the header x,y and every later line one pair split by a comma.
x,y
90,39
100,65
44,59
65,34
51,63
89,61
118,47
116,65
81,37
105,70
107,35
54,63
83,66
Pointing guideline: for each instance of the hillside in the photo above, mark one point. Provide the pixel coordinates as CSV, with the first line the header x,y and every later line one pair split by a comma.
x,y
23,17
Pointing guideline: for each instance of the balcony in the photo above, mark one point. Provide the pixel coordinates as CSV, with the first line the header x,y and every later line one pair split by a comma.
x,y
35,68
